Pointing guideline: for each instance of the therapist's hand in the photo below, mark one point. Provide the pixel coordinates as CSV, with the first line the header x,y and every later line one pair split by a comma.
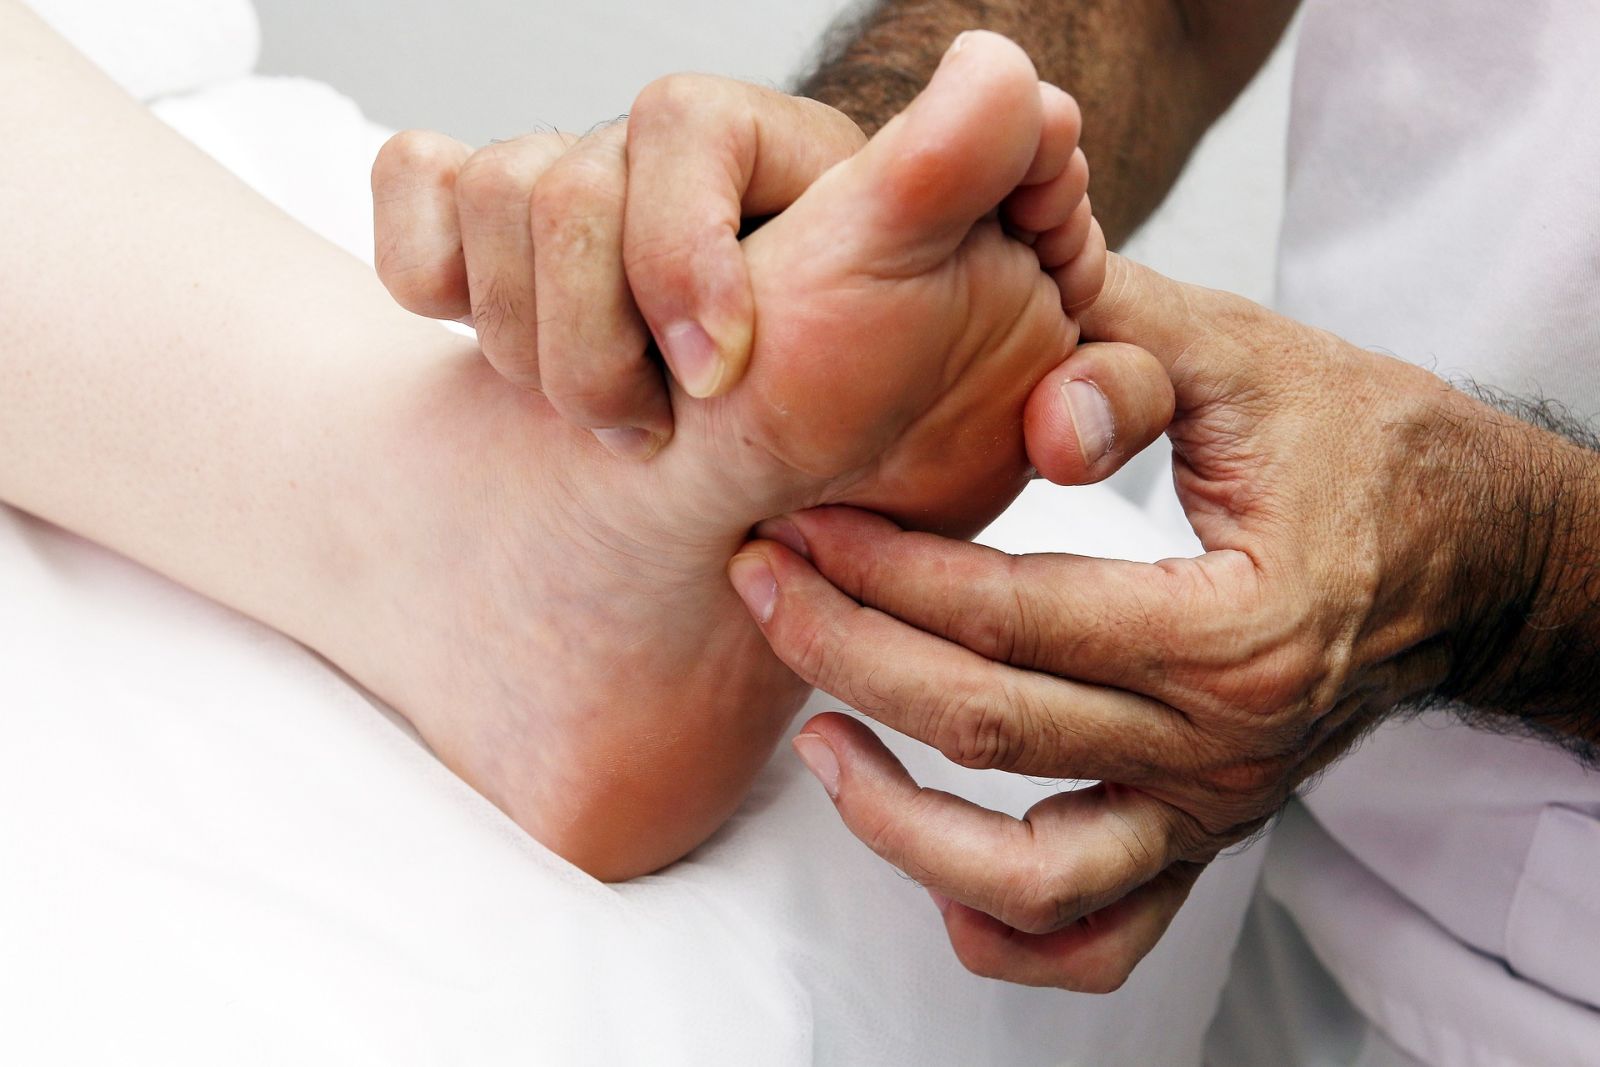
x,y
569,255
1327,485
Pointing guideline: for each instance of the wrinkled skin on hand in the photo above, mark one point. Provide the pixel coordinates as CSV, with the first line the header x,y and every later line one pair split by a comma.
x,y
1321,480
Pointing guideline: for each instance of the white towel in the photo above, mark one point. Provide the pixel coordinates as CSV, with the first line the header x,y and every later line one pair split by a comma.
x,y
156,47
213,849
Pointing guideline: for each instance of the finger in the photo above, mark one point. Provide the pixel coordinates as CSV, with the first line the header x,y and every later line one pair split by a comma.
x,y
977,712
1071,855
1104,405
1140,307
704,153
1094,955
417,239
593,349
1132,625
493,196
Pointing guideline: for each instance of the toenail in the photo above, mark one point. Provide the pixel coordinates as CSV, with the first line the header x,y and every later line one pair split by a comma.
x,y
629,442
786,533
693,357
752,579
819,758
1091,419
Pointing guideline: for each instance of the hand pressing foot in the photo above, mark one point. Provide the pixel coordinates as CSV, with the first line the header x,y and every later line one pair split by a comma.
x,y
565,636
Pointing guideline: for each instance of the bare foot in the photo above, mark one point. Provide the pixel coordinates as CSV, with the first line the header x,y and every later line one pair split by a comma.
x,y
573,648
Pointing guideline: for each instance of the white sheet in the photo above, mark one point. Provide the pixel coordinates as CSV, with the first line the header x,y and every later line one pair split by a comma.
x,y
214,849
157,47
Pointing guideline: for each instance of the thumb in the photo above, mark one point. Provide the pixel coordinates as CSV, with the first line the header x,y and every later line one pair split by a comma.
x,y
704,154
1138,306
1095,412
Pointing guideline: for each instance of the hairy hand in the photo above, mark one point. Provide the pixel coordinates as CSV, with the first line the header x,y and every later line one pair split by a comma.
x,y
1326,486
571,256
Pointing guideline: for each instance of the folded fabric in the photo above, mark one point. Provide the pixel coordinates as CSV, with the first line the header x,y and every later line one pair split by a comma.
x,y
299,143
215,849
156,47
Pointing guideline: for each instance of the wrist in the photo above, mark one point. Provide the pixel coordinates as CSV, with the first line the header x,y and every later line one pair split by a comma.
x,y
1524,582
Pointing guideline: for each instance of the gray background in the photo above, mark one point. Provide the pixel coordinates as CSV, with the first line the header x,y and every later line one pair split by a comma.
x,y
494,68
479,69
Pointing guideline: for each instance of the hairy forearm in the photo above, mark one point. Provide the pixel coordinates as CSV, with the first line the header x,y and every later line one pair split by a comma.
x,y
1526,649
1150,75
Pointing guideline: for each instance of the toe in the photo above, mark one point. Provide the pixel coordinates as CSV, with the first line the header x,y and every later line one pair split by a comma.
x,y
951,157
1059,245
1041,208
1084,275
1060,127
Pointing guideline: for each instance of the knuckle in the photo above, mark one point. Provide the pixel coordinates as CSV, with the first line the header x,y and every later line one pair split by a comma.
x,y
976,731
412,151
1013,635
881,832
810,645
819,650
1039,630
888,831
490,180
1013,629
1044,901
576,201
671,98
1142,856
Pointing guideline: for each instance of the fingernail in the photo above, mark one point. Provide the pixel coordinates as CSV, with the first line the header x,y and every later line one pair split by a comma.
x,y
819,759
786,533
693,356
957,44
629,442
752,579
940,901
1091,419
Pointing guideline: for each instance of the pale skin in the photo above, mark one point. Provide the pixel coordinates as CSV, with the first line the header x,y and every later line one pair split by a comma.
x,y
195,381
1373,537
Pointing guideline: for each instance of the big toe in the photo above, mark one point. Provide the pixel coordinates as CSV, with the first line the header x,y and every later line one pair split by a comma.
x,y
951,157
